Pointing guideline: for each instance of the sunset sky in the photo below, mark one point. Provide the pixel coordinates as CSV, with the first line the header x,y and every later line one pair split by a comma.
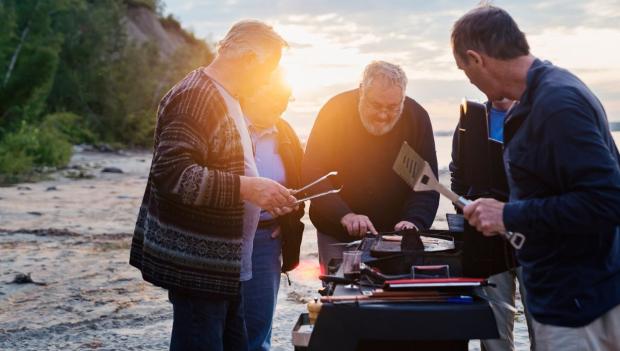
x,y
332,41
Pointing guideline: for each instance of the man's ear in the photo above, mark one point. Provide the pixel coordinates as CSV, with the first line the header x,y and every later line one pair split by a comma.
x,y
474,57
248,59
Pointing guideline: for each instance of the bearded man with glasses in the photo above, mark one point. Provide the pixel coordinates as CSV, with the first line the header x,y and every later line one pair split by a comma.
x,y
359,133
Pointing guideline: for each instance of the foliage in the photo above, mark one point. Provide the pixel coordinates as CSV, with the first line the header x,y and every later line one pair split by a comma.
x,y
154,5
29,147
69,70
30,55
70,127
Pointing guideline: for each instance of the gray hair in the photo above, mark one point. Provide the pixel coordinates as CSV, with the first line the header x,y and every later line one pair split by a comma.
x,y
384,70
250,36
491,31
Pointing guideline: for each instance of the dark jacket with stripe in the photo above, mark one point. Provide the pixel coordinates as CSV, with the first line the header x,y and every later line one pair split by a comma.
x,y
291,227
477,171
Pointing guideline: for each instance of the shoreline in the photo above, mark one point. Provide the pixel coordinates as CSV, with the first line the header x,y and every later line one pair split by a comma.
x,y
74,237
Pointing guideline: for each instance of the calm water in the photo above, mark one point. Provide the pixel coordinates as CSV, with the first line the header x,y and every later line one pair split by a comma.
x,y
443,144
444,148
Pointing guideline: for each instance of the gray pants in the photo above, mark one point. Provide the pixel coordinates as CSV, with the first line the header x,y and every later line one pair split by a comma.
x,y
603,334
505,291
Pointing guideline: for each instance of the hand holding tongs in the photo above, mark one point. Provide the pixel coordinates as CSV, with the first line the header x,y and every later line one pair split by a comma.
x,y
310,197
418,174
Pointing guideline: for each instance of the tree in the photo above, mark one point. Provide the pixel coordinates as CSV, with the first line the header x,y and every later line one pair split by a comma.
x,y
71,62
30,58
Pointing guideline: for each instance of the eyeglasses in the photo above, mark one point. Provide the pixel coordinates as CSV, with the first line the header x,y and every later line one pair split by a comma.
x,y
377,107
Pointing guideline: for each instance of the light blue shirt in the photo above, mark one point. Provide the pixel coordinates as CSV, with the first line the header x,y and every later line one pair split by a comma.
x,y
268,160
496,124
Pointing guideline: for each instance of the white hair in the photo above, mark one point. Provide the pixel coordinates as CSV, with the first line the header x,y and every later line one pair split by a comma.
x,y
250,36
390,72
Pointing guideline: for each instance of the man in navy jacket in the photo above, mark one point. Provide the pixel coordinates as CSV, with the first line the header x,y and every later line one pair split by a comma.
x,y
563,171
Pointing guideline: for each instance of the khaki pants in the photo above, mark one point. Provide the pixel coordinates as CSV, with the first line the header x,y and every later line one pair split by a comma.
x,y
603,334
505,291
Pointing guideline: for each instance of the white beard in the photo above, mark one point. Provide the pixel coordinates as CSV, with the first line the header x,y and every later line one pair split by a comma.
x,y
379,130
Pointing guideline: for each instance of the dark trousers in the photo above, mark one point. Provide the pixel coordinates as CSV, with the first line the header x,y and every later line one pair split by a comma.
x,y
203,324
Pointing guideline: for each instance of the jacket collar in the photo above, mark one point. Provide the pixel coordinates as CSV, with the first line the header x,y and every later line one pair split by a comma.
x,y
260,132
283,138
534,76
519,113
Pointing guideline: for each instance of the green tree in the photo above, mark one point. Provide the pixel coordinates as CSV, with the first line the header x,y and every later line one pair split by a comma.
x,y
93,38
70,73
30,58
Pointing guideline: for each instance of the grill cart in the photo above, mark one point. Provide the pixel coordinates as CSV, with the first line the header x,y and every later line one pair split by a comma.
x,y
380,313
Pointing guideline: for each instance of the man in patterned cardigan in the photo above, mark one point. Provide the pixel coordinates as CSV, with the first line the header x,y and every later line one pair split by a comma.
x,y
203,198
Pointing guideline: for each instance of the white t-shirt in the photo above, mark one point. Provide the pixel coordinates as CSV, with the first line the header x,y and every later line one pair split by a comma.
x,y
251,212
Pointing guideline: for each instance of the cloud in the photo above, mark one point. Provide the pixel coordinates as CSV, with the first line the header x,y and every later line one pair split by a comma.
x,y
591,54
333,40
603,9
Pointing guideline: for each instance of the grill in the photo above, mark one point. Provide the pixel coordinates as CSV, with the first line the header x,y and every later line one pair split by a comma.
x,y
349,324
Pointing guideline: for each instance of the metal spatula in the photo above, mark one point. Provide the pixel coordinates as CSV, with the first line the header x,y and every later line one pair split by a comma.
x,y
418,174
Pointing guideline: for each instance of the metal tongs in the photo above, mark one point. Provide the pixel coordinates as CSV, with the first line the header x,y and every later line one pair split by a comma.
x,y
320,180
418,174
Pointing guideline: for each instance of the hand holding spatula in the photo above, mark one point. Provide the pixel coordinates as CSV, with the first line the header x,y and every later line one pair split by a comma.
x,y
418,174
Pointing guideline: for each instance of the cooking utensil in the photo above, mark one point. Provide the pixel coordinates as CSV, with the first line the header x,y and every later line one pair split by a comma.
x,y
314,196
418,174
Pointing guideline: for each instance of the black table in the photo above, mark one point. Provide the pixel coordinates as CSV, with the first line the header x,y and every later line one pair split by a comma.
x,y
400,326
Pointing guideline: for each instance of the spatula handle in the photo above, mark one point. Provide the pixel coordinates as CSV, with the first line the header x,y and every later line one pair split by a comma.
x,y
515,239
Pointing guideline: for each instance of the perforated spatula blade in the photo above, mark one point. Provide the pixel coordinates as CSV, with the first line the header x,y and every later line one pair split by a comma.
x,y
417,173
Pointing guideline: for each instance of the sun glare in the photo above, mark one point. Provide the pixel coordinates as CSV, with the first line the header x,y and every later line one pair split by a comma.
x,y
314,63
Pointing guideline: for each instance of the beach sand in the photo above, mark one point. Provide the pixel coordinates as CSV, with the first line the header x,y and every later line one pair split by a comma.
x,y
73,237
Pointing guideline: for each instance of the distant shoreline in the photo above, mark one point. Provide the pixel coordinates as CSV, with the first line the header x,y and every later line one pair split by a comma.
x,y
613,126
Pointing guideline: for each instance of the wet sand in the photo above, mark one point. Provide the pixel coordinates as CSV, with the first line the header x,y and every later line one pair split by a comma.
x,y
73,237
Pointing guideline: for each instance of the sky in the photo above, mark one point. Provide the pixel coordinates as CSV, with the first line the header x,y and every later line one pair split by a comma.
x,y
332,41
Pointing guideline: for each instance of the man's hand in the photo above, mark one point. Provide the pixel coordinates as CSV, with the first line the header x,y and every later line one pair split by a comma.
x,y
403,225
357,225
281,211
276,233
487,215
267,194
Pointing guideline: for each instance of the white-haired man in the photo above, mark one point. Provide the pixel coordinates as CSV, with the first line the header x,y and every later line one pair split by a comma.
x,y
359,134
203,198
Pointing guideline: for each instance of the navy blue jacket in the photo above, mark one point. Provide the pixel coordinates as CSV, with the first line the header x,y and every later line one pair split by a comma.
x,y
563,170
340,142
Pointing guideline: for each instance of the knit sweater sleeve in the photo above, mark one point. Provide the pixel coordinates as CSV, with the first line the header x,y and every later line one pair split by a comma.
x,y
181,167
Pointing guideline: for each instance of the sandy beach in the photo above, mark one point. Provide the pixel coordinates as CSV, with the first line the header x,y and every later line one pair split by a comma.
x,y
72,235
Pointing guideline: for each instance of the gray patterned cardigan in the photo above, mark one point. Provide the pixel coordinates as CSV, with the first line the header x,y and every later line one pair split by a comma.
x,y
189,229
